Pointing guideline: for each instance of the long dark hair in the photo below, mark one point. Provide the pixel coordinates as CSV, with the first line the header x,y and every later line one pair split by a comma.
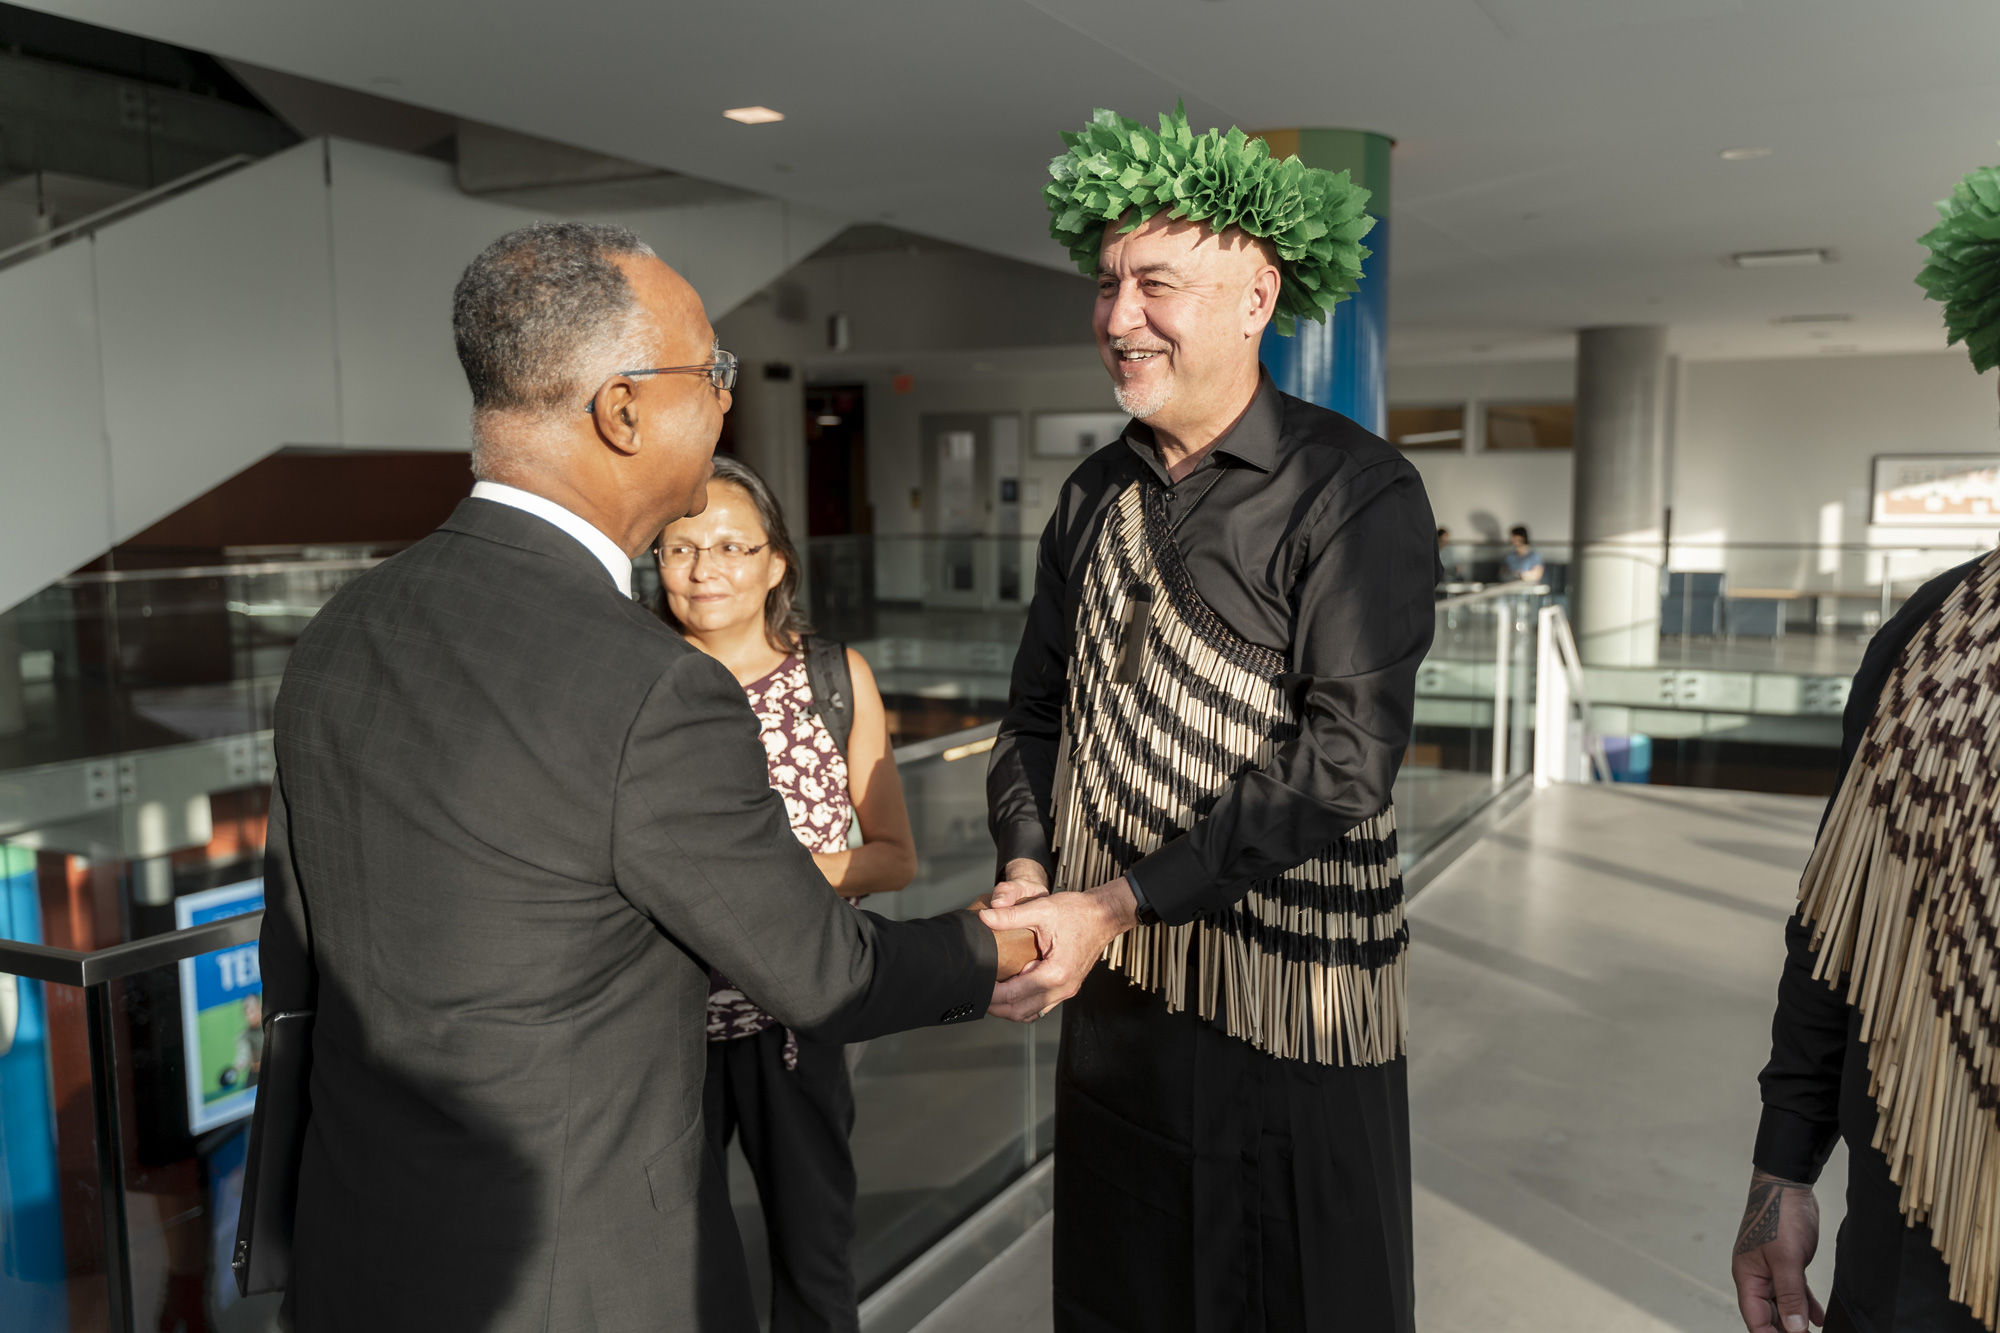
x,y
784,622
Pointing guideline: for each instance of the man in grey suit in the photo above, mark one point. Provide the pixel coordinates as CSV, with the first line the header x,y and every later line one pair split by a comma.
x,y
516,819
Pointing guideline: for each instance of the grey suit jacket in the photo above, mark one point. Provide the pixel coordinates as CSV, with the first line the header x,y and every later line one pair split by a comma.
x,y
515,820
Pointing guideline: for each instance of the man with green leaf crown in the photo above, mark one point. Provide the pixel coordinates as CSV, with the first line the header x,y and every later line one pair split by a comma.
x,y
1889,1001
1212,695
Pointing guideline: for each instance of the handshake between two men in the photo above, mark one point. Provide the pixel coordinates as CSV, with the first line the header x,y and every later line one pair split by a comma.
x,y
1049,941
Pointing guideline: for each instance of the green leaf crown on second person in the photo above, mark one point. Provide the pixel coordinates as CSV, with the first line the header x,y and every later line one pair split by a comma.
x,y
1964,267
1117,168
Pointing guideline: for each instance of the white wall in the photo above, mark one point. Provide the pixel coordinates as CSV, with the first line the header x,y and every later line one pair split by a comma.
x,y
1490,381
1763,451
215,314
55,467
305,299
1480,494
895,466
1763,447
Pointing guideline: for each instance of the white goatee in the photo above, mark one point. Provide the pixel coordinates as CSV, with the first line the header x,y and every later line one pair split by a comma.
x,y
1142,405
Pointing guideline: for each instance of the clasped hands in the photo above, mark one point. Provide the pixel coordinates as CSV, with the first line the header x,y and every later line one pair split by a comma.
x,y
1053,938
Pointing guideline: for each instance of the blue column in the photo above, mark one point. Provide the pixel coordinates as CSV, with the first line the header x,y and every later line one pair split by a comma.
x,y
1342,364
34,1287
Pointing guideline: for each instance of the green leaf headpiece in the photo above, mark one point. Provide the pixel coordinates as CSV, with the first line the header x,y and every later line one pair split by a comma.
x,y
1116,167
1964,268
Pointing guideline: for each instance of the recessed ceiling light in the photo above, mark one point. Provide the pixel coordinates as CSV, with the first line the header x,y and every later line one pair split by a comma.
x,y
826,419
753,115
1813,319
1743,154
1781,258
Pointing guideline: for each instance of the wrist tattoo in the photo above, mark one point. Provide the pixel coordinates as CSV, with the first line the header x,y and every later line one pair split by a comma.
x,y
1764,1209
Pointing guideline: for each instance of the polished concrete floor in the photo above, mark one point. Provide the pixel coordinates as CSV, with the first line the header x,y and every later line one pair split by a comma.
x,y
1591,996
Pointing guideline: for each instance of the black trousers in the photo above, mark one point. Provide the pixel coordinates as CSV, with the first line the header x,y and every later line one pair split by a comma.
x,y
1204,1186
794,1125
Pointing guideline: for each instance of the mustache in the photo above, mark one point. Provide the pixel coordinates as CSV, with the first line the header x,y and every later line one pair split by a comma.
x,y
1121,343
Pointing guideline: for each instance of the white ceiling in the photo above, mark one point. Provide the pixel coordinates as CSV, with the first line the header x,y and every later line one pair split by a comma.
x,y
1557,161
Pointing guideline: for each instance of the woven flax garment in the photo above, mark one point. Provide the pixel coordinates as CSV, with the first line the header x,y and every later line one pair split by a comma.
x,y
1904,900
1166,707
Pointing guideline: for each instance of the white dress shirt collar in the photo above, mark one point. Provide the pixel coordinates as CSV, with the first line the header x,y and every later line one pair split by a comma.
x,y
616,563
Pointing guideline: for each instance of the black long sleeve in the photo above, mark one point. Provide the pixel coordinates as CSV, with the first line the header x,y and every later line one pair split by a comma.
x,y
1801,1083
1303,533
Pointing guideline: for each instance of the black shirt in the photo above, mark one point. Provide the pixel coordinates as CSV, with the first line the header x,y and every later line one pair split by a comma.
x,y
1303,533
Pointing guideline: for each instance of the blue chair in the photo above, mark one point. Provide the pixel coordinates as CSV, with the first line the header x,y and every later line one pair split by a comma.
x,y
1693,604
1756,616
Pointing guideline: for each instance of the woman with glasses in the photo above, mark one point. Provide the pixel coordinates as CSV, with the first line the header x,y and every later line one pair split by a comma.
x,y
728,577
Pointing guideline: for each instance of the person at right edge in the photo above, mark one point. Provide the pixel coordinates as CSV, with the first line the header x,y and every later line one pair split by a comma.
x,y
1207,713
1889,1002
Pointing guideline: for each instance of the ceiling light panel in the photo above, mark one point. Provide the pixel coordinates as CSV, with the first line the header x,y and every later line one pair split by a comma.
x,y
1780,258
753,115
1744,154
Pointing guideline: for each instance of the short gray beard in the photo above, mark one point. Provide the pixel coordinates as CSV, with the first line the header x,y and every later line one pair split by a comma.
x,y
1132,402
1142,407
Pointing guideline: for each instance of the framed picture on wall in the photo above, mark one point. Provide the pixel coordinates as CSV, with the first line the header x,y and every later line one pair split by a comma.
x,y
1076,434
1937,490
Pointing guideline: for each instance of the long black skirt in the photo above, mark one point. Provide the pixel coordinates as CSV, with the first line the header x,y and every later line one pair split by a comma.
x,y
1202,1185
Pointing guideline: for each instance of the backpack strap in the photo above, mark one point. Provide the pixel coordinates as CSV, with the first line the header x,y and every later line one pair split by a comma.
x,y
832,686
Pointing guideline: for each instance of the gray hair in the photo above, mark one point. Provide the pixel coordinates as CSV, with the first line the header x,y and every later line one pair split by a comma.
x,y
541,311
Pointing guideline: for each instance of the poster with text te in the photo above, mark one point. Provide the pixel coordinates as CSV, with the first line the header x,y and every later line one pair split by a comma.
x,y
222,1010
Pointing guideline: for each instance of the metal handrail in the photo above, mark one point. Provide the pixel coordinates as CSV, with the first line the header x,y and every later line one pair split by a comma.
x,y
55,236
1493,593
75,967
1690,544
937,745
350,564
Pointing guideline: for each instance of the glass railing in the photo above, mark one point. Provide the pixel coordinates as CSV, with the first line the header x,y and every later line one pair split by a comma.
x,y
135,761
945,1117
135,767
1735,666
123,1076
1754,604
1473,737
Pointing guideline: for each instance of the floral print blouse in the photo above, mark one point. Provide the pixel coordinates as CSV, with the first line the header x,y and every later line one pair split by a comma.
x,y
810,773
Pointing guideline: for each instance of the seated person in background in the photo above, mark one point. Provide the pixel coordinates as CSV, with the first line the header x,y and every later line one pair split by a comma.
x,y
1450,570
729,576
1523,562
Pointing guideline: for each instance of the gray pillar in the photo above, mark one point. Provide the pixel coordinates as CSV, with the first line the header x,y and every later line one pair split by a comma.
x,y
770,411
1621,402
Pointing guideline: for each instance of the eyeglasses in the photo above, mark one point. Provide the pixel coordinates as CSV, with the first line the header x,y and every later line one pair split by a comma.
x,y
721,373
729,555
